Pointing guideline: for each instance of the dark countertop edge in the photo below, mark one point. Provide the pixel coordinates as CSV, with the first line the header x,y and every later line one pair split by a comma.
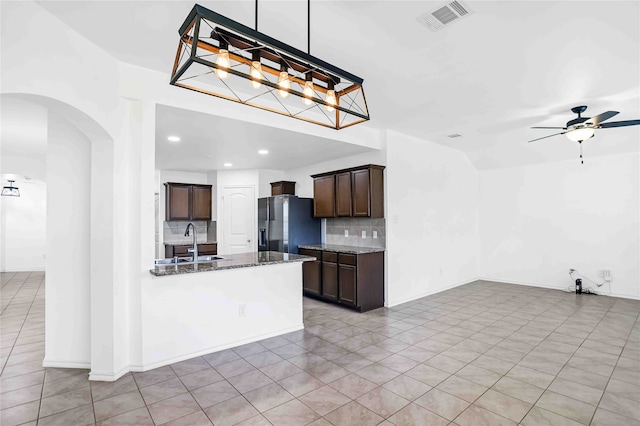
x,y
341,249
163,270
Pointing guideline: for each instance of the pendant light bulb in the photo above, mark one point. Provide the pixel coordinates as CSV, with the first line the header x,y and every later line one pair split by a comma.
x,y
223,63
308,90
331,98
256,74
256,70
283,81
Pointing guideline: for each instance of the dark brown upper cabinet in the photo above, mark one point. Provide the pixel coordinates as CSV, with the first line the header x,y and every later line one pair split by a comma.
x,y
283,187
324,196
357,192
187,201
343,194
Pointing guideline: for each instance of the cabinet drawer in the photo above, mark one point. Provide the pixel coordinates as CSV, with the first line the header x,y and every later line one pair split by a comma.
x,y
181,250
347,259
328,256
207,249
308,252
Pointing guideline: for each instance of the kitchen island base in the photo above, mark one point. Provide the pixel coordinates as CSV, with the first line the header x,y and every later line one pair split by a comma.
x,y
186,315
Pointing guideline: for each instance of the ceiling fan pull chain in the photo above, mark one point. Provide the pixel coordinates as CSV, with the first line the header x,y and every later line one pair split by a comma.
x,y
581,160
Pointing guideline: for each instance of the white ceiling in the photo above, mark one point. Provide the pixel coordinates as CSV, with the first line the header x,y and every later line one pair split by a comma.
x,y
508,66
207,142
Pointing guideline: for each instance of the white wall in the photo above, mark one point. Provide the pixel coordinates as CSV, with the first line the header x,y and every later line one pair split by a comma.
x,y
432,218
538,221
67,299
265,177
23,226
23,148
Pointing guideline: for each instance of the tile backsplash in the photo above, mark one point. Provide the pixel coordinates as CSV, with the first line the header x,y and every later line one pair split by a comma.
x,y
335,228
173,232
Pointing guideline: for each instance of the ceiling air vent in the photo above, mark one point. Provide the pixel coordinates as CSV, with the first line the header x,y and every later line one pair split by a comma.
x,y
444,15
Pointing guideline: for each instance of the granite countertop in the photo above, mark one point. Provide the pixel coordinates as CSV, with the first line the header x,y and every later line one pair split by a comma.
x,y
230,261
180,243
341,249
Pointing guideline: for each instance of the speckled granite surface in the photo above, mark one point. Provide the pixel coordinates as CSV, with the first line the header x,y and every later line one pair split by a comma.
x,y
341,249
231,261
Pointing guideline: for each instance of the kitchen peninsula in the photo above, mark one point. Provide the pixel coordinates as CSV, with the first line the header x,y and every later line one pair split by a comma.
x,y
193,309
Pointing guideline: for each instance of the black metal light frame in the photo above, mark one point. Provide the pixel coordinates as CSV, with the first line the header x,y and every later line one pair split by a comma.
x,y
349,109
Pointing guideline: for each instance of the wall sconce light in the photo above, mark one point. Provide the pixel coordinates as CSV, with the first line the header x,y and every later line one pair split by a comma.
x,y
10,191
220,57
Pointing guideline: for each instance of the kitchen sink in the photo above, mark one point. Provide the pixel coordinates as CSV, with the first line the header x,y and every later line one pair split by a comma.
x,y
183,260
206,258
172,260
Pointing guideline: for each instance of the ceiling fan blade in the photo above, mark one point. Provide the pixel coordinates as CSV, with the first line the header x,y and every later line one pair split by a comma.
x,y
563,128
620,123
594,121
544,137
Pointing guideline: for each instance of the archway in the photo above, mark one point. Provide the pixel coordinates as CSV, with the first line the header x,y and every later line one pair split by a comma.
x,y
79,243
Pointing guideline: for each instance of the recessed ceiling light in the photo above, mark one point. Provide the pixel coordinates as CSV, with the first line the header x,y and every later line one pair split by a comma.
x,y
173,139
263,152
227,164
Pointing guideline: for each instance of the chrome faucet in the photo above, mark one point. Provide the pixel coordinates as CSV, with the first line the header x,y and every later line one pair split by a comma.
x,y
193,250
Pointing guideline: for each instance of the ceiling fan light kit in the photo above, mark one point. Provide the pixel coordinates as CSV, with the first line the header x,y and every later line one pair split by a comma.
x,y
582,128
220,57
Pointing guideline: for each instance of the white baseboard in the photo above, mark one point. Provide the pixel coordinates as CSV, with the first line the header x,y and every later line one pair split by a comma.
x,y
47,363
497,280
31,269
561,288
105,376
428,293
156,364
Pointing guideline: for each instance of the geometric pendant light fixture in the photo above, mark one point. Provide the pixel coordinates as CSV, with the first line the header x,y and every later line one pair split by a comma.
x,y
220,57
10,191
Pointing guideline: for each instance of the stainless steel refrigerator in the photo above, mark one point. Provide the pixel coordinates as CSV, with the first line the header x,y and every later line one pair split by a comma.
x,y
284,222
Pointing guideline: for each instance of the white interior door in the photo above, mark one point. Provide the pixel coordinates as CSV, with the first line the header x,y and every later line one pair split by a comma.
x,y
238,219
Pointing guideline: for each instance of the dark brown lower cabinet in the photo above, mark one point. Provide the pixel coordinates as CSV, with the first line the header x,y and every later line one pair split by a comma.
x,y
347,278
330,280
312,272
352,280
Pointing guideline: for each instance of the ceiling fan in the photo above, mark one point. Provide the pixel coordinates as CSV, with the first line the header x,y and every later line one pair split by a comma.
x,y
582,128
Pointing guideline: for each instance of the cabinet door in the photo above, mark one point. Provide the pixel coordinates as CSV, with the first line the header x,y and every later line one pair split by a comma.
x,y
201,203
178,202
360,193
343,194
324,193
312,272
330,280
347,279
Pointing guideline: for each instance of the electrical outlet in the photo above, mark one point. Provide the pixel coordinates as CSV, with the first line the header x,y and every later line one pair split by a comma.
x,y
607,275
601,273
364,234
242,310
346,232
375,234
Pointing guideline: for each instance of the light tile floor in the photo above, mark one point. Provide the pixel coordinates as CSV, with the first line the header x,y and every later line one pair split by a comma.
x,y
480,354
